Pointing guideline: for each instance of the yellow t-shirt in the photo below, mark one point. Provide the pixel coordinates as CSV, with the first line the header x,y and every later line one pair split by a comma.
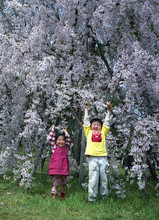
x,y
96,148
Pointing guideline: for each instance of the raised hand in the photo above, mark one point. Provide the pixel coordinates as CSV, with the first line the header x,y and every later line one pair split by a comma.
x,y
86,105
65,131
109,106
53,127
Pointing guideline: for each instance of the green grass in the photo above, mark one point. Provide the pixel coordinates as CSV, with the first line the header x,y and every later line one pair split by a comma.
x,y
37,204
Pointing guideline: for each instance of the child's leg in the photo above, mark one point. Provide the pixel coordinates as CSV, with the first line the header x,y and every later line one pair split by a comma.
x,y
103,177
63,186
55,186
93,178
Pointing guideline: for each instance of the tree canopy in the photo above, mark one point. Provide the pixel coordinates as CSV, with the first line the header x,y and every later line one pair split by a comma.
x,y
56,55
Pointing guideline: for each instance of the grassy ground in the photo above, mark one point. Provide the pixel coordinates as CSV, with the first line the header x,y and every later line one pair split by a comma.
x,y
37,204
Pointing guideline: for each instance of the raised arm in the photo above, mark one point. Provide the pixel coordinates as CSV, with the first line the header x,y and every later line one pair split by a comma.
x,y
107,118
68,139
86,116
52,138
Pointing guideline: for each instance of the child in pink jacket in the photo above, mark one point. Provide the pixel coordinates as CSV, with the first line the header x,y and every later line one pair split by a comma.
x,y
59,163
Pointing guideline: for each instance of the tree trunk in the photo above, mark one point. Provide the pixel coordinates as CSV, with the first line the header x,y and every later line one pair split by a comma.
x,y
37,160
77,142
152,169
81,172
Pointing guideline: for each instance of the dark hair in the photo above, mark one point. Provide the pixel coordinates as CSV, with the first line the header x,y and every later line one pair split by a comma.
x,y
60,134
98,120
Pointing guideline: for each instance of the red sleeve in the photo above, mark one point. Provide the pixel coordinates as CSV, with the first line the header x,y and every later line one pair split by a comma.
x,y
52,140
68,141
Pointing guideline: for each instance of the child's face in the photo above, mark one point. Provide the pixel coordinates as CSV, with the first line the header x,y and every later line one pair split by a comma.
x,y
96,126
60,141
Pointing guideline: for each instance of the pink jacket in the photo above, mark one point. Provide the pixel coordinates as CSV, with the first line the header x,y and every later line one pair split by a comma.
x,y
59,163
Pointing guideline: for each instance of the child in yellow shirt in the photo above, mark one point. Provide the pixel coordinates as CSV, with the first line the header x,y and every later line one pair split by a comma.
x,y
95,132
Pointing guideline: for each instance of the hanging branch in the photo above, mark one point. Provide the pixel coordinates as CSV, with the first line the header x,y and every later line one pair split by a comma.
x,y
101,51
105,60
116,88
74,113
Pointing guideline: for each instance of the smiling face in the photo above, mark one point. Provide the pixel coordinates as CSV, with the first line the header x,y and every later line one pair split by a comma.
x,y
96,126
60,141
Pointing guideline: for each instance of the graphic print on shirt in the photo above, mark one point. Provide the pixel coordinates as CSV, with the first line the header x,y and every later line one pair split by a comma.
x,y
96,136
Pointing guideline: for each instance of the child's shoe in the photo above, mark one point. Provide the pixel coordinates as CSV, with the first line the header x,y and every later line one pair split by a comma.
x,y
54,195
63,195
